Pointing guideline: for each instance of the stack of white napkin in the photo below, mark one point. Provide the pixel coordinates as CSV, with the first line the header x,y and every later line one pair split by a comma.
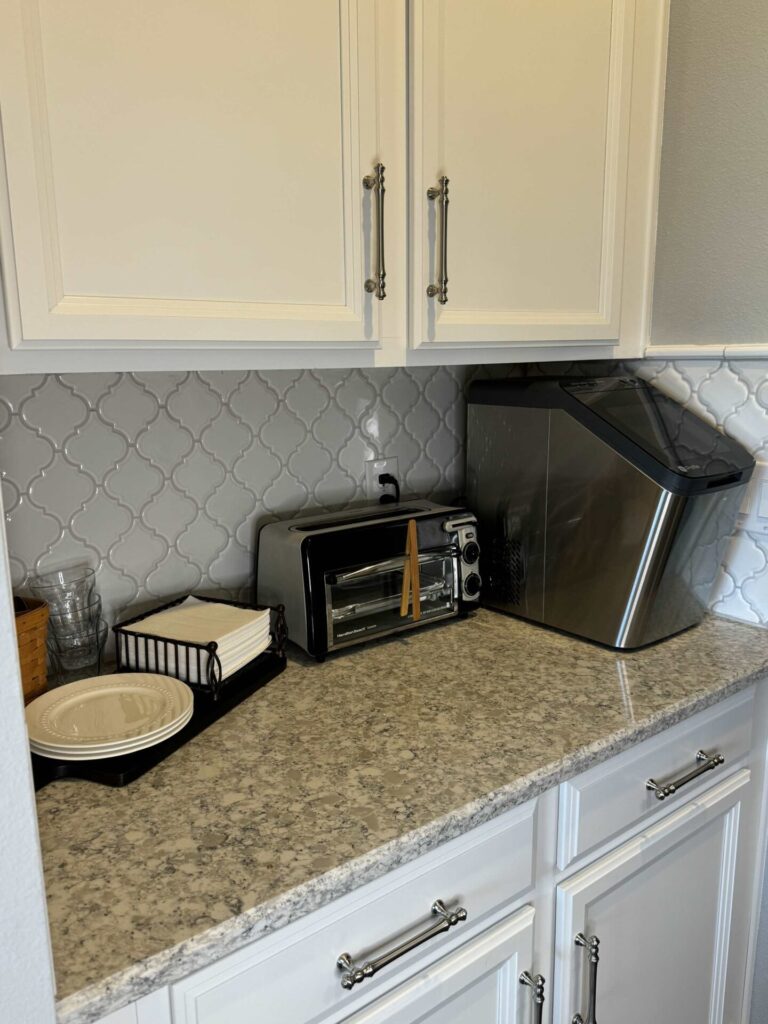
x,y
240,633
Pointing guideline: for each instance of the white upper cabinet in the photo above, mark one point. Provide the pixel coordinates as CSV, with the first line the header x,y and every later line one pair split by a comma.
x,y
524,107
183,182
191,171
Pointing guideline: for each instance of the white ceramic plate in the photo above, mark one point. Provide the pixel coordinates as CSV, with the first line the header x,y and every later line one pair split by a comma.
x,y
116,744
107,710
111,749
91,754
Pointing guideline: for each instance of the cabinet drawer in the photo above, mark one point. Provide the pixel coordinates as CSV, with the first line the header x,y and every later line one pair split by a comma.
x,y
611,798
292,974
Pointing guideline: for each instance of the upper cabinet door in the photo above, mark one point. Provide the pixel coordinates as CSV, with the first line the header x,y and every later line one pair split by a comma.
x,y
523,105
191,170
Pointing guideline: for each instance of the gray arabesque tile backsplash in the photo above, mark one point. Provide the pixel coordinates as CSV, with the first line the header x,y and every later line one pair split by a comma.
x,y
161,479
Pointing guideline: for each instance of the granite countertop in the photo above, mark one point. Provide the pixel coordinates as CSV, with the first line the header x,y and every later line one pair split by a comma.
x,y
334,774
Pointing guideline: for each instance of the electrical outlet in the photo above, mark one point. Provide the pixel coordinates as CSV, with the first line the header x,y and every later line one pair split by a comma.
x,y
753,516
373,470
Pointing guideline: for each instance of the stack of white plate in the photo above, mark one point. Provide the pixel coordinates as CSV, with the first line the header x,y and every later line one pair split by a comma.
x,y
107,716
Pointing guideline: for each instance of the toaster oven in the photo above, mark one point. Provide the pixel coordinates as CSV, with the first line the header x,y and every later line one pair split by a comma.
x,y
342,576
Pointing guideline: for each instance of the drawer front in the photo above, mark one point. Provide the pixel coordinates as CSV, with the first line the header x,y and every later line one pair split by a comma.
x,y
292,974
613,797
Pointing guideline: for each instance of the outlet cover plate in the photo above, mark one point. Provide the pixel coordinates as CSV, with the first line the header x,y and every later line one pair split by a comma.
x,y
754,512
373,469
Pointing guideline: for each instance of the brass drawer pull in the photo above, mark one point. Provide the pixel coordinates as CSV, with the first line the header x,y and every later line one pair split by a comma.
x,y
536,984
591,945
354,973
375,182
706,763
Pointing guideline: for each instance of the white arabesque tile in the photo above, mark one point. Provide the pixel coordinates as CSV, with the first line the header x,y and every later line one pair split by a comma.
x,y
160,480
128,406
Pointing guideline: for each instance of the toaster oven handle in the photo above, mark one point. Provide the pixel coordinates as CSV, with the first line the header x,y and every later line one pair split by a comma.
x,y
371,570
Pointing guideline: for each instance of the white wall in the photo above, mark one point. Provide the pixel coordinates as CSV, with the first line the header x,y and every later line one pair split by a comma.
x,y
712,244
711,278
26,976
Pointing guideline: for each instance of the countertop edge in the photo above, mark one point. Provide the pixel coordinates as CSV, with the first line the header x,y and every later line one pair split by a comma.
x,y
95,1001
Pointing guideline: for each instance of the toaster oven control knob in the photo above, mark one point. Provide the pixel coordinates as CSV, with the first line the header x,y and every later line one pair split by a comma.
x,y
471,552
472,585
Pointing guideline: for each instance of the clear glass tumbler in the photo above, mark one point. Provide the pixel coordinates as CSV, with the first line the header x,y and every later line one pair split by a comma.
x,y
78,651
65,590
75,619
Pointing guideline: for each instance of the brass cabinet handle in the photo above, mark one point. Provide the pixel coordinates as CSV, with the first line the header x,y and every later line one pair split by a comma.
x,y
705,763
440,290
354,973
375,182
536,984
592,946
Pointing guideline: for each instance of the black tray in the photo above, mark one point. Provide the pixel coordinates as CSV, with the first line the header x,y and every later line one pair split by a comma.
x,y
119,771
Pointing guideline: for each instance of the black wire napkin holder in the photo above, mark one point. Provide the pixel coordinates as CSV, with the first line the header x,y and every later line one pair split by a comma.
x,y
187,653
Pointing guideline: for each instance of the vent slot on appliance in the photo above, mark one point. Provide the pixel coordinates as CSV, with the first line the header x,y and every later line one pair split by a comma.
x,y
506,571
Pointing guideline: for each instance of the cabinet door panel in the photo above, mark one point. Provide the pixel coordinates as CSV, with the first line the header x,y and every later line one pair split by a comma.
x,y
662,908
191,170
524,106
478,984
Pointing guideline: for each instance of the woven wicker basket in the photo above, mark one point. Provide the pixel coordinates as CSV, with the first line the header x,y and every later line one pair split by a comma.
x,y
31,632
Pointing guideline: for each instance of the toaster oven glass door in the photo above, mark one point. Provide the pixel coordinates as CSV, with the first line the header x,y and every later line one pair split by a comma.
x,y
364,600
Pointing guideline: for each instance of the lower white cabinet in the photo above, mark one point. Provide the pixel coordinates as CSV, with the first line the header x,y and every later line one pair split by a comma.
x,y
292,977
661,906
477,984
154,1008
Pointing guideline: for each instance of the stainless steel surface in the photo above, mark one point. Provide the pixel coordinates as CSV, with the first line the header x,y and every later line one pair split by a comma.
x,y
367,515
465,530
452,525
375,182
705,763
576,537
592,946
536,985
440,194
353,973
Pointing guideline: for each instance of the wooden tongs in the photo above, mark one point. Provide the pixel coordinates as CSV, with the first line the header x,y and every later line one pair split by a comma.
x,y
411,579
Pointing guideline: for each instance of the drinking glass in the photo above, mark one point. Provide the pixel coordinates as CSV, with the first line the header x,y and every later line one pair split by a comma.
x,y
65,590
77,651
74,619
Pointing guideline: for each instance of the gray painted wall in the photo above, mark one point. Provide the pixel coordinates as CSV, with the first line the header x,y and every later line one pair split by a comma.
x,y
711,281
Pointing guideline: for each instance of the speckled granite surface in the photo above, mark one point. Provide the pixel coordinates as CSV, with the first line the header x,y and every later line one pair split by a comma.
x,y
334,774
